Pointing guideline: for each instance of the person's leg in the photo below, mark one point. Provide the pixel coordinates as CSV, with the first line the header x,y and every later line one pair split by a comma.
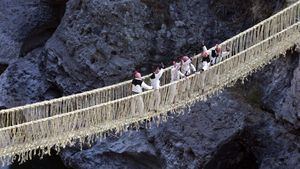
x,y
173,93
217,60
203,75
133,106
221,58
152,102
214,60
193,86
183,90
140,104
157,100
188,88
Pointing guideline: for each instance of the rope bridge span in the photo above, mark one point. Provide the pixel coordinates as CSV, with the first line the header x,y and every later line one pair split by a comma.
x,y
35,129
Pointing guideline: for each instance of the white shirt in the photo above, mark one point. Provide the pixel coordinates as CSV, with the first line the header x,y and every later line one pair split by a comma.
x,y
208,52
176,74
205,65
187,66
138,85
222,55
155,82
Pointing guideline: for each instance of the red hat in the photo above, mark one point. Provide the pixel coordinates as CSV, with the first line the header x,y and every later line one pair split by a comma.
x,y
205,53
185,58
137,74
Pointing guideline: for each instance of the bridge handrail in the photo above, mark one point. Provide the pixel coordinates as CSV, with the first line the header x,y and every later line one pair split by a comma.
x,y
65,104
91,122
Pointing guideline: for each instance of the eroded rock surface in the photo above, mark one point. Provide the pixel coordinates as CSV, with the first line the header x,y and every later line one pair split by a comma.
x,y
101,42
223,133
22,82
132,150
98,43
183,142
25,25
277,88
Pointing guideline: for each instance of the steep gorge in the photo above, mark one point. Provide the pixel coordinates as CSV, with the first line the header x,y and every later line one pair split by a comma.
x,y
69,47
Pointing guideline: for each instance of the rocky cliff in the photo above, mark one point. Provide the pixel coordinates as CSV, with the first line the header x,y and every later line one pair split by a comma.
x,y
231,131
53,48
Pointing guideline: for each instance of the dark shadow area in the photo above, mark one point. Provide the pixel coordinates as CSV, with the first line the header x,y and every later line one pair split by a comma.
x,y
161,14
235,154
3,67
48,162
3,107
54,91
249,12
39,35
255,87
111,160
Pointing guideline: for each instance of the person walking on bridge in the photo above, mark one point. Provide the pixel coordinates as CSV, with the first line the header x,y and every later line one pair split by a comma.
x,y
138,85
187,66
205,60
216,54
155,83
175,75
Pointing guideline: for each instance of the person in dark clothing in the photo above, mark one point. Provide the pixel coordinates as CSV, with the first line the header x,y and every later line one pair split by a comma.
x,y
137,105
205,60
138,84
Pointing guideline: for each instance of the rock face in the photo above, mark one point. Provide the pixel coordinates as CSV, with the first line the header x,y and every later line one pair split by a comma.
x,y
183,142
290,110
229,131
132,150
101,42
98,43
52,48
25,27
24,72
278,85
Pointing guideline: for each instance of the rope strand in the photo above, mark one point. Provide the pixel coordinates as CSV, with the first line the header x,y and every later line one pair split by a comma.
x,y
90,115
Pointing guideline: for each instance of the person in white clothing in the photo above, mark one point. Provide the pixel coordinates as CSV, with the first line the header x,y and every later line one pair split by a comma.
x,y
216,54
156,75
175,75
138,84
205,60
187,66
155,83
175,72
137,105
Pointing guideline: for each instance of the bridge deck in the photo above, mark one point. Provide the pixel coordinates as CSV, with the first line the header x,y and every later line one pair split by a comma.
x,y
60,122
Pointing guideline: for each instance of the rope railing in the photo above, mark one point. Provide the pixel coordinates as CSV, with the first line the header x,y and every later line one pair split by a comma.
x,y
238,43
87,124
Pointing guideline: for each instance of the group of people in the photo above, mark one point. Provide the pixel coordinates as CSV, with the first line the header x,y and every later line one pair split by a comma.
x,y
181,68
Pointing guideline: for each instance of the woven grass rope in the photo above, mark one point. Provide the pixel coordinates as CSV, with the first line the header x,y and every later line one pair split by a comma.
x,y
35,129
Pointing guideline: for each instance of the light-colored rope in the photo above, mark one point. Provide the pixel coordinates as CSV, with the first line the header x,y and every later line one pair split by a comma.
x,y
238,43
87,124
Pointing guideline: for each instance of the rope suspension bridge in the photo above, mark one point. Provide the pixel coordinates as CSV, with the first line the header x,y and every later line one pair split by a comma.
x,y
37,128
